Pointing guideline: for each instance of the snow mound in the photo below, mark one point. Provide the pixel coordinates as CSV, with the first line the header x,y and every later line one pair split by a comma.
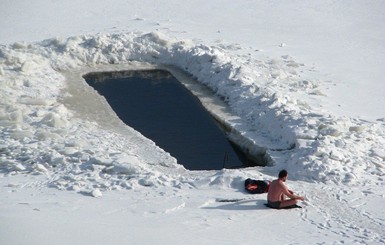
x,y
42,134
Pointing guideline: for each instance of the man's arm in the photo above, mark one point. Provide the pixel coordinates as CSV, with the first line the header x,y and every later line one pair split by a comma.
x,y
290,193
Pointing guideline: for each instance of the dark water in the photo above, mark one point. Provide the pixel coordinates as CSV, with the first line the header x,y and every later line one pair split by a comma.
x,y
156,104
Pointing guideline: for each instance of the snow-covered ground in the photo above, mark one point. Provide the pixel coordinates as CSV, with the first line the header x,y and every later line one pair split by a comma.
x,y
304,80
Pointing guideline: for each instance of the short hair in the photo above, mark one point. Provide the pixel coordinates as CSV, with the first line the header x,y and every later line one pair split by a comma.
x,y
282,173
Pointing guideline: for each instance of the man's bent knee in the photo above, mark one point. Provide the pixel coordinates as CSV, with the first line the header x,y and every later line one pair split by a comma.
x,y
287,203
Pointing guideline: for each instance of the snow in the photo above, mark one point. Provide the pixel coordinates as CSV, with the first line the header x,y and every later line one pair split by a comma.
x,y
303,81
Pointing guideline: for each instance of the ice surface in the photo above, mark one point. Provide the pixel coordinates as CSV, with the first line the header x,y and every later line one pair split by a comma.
x,y
304,79
274,119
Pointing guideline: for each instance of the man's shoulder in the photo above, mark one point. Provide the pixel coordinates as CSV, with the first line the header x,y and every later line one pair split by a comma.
x,y
280,183
274,182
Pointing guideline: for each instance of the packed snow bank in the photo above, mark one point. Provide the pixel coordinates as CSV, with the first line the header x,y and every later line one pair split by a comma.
x,y
43,131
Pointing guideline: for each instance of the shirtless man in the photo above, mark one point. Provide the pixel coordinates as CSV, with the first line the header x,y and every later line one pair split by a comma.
x,y
278,191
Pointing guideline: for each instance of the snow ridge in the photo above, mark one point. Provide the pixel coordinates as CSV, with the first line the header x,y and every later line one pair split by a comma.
x,y
39,134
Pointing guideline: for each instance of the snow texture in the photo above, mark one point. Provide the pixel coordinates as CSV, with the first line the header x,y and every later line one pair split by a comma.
x,y
57,132
39,112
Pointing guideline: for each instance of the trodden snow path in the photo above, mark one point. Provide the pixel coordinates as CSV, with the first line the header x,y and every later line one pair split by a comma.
x,y
159,215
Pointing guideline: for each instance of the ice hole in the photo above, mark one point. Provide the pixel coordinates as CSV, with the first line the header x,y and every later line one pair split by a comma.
x,y
157,105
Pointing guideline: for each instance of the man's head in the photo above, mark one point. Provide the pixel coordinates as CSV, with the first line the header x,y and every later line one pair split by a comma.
x,y
282,175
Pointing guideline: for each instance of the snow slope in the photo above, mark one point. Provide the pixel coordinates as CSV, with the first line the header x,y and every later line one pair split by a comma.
x,y
329,36
289,90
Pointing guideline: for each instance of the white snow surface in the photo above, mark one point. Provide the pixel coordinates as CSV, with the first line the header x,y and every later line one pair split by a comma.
x,y
304,80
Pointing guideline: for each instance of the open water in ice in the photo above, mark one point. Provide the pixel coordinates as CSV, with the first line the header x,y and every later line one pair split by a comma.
x,y
157,105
